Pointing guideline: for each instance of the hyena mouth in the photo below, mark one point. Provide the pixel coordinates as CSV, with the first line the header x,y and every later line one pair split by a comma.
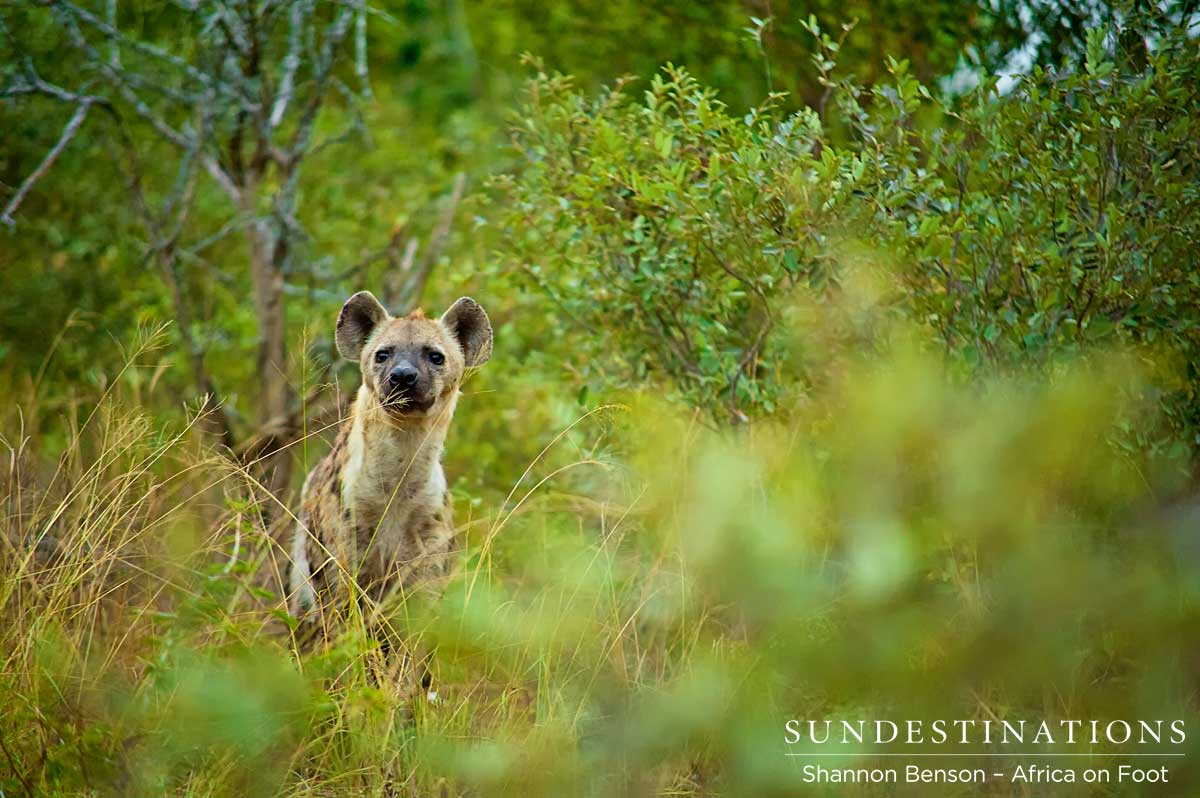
x,y
404,403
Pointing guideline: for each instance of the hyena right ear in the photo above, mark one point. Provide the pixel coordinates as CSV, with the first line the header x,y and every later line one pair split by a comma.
x,y
469,325
359,316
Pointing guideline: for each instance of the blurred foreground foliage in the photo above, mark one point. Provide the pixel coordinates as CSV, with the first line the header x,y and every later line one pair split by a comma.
x,y
909,544
875,400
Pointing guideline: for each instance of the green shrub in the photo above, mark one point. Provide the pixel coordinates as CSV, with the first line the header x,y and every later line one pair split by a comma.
x,y
1021,225
659,230
1055,218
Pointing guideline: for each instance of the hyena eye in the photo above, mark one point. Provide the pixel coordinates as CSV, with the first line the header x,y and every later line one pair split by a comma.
x,y
382,355
437,358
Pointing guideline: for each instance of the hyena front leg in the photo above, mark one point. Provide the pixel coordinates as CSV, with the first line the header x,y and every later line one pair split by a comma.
x,y
302,598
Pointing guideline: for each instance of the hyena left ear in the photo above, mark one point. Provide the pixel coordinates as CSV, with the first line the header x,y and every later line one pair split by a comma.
x,y
359,316
466,321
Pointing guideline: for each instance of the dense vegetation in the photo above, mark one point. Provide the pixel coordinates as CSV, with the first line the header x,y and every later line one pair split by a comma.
x,y
840,372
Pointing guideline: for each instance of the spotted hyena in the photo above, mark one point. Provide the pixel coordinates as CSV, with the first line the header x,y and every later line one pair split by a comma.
x,y
375,520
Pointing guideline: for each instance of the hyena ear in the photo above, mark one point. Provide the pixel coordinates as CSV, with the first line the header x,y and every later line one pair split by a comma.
x,y
355,323
469,325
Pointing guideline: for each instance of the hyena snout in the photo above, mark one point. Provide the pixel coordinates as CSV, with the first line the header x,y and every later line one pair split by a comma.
x,y
404,388
403,377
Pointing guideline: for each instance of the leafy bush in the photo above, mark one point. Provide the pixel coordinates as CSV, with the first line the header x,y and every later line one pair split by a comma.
x,y
1025,225
664,223
1053,219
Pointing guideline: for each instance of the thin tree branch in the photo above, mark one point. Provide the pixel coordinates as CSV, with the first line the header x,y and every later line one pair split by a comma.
x,y
122,84
333,40
410,252
163,250
114,50
291,63
388,251
119,38
408,295
233,224
68,133
34,84
360,52
222,177
235,33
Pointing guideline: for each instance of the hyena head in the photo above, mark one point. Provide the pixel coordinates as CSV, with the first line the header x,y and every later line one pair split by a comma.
x,y
413,365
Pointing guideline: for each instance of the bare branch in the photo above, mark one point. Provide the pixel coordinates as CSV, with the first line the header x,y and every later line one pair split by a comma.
x,y
410,254
119,38
16,90
241,85
236,223
291,63
235,31
121,82
68,133
179,201
329,47
405,295
34,84
122,86
114,50
222,177
360,52
357,126
163,250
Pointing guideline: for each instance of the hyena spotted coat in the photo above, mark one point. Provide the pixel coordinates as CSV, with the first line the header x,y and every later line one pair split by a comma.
x,y
376,509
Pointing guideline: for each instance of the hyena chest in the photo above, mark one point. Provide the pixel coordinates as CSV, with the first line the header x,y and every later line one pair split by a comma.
x,y
396,529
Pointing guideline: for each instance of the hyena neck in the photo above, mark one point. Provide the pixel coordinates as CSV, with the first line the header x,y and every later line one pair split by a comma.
x,y
391,459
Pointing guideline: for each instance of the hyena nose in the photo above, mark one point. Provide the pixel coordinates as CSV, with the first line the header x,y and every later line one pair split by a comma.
x,y
403,376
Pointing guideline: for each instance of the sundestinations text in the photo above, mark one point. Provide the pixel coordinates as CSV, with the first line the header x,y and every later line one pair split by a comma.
x,y
985,732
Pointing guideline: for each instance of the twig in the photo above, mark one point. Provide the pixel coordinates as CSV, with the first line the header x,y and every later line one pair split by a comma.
x,y
333,40
16,771
34,84
408,294
410,253
119,38
163,250
233,224
114,50
68,133
291,63
360,52
388,251
122,84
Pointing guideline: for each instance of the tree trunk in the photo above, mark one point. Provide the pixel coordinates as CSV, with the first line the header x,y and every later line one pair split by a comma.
x,y
267,254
